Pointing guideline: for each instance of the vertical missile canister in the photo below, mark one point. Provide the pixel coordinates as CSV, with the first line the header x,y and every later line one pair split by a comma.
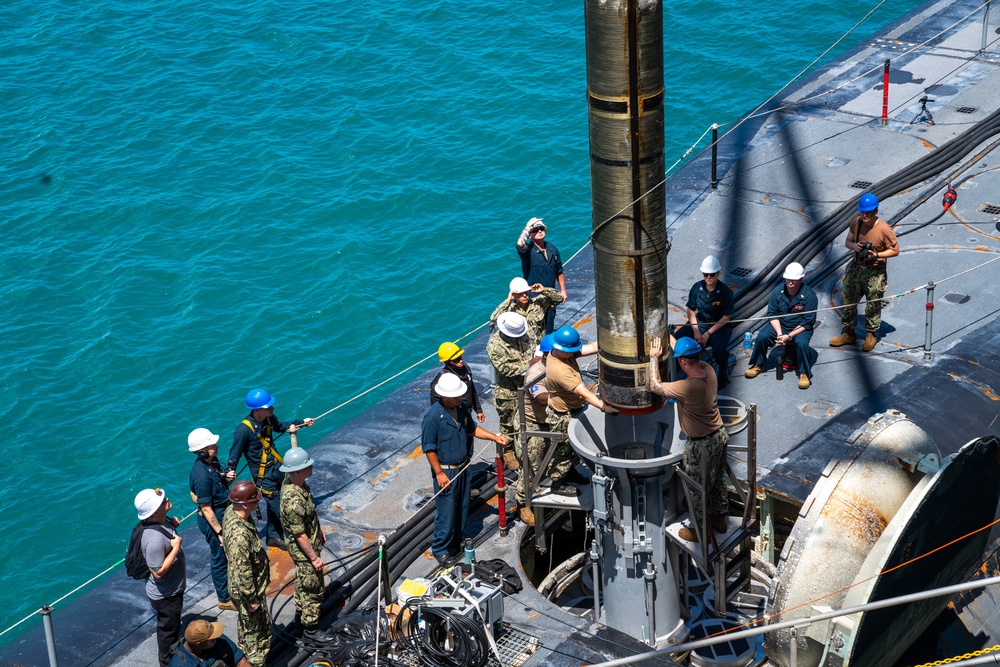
x,y
625,101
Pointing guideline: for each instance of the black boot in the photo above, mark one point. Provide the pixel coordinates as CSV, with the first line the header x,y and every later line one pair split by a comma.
x,y
315,635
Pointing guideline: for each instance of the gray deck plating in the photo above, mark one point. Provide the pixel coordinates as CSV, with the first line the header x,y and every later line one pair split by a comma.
x,y
797,165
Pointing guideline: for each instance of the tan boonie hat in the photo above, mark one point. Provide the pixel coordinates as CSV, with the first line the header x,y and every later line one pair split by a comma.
x,y
200,630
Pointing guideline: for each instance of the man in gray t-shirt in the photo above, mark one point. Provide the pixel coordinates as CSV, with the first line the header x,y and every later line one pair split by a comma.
x,y
161,547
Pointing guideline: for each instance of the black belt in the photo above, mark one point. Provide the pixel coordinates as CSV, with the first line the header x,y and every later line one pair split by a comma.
x,y
453,466
706,437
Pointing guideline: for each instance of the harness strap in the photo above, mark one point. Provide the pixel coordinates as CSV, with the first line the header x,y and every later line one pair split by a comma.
x,y
267,447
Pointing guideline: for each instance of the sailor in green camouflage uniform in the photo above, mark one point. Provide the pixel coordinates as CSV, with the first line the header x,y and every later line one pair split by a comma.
x,y
305,540
249,572
535,310
510,352
535,399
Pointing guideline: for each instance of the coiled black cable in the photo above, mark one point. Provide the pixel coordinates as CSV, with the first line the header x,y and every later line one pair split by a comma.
x,y
446,640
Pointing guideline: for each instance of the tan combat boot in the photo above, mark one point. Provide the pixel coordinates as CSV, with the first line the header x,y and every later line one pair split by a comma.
x,y
869,343
510,460
753,372
845,338
527,516
687,534
718,522
804,381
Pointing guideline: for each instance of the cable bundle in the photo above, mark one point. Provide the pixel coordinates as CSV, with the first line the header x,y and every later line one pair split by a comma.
x,y
447,639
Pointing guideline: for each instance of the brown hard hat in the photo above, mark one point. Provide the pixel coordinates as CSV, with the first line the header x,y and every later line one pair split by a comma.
x,y
244,491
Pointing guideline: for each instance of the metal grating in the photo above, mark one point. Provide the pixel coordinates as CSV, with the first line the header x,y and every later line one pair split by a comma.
x,y
966,109
992,209
861,185
514,646
740,272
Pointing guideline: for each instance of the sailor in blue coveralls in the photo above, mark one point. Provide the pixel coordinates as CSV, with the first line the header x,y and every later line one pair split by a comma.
x,y
210,491
799,302
448,451
541,264
254,439
709,309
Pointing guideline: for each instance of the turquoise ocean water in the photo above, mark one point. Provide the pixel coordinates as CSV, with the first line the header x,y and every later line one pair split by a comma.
x,y
202,197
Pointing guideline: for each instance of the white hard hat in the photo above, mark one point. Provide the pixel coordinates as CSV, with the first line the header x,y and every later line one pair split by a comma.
x,y
518,285
710,265
200,438
451,385
794,271
148,501
513,324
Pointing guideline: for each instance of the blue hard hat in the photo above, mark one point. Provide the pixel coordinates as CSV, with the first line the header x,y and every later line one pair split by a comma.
x,y
566,339
868,202
258,398
546,344
686,347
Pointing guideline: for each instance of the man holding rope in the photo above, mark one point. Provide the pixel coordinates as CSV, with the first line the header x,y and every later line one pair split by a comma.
x,y
872,241
449,451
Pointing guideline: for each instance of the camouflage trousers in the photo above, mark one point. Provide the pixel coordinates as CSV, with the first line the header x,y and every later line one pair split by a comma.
x,y
564,458
308,592
506,402
536,452
714,446
863,281
254,629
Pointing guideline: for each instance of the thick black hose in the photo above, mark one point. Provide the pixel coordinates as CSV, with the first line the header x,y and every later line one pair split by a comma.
x,y
808,245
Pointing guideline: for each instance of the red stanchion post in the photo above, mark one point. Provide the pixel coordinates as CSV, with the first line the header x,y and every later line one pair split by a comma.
x,y
501,493
885,93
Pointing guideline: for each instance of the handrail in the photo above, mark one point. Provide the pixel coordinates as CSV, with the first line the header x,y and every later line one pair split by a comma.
x,y
800,622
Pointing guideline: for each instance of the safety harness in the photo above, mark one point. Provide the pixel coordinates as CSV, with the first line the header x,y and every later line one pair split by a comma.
x,y
264,435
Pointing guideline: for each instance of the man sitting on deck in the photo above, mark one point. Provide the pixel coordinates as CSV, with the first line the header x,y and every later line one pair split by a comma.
x,y
793,309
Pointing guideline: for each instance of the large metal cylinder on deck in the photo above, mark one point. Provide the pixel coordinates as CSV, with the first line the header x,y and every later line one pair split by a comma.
x,y
845,515
625,100
633,460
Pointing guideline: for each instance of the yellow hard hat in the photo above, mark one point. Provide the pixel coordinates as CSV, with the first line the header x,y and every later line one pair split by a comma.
x,y
449,351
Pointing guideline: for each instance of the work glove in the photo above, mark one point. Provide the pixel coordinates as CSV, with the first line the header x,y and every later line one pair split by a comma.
x,y
610,410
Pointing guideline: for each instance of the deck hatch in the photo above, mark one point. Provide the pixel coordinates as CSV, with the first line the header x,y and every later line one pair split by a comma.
x,y
992,209
740,272
966,109
861,185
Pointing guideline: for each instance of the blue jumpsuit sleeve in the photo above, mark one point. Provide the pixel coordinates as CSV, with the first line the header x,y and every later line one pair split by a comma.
x,y
557,265
811,304
774,303
428,432
692,302
727,302
241,442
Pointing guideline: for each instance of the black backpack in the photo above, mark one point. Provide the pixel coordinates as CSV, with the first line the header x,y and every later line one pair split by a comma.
x,y
135,561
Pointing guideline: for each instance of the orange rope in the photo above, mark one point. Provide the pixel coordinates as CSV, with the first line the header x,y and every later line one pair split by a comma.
x,y
863,581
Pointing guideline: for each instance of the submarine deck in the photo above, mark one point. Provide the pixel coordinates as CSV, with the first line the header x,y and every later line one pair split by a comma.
x,y
783,172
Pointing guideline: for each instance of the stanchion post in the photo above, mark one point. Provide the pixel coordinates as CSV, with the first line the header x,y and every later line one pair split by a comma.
x,y
885,93
986,27
929,323
715,156
50,635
